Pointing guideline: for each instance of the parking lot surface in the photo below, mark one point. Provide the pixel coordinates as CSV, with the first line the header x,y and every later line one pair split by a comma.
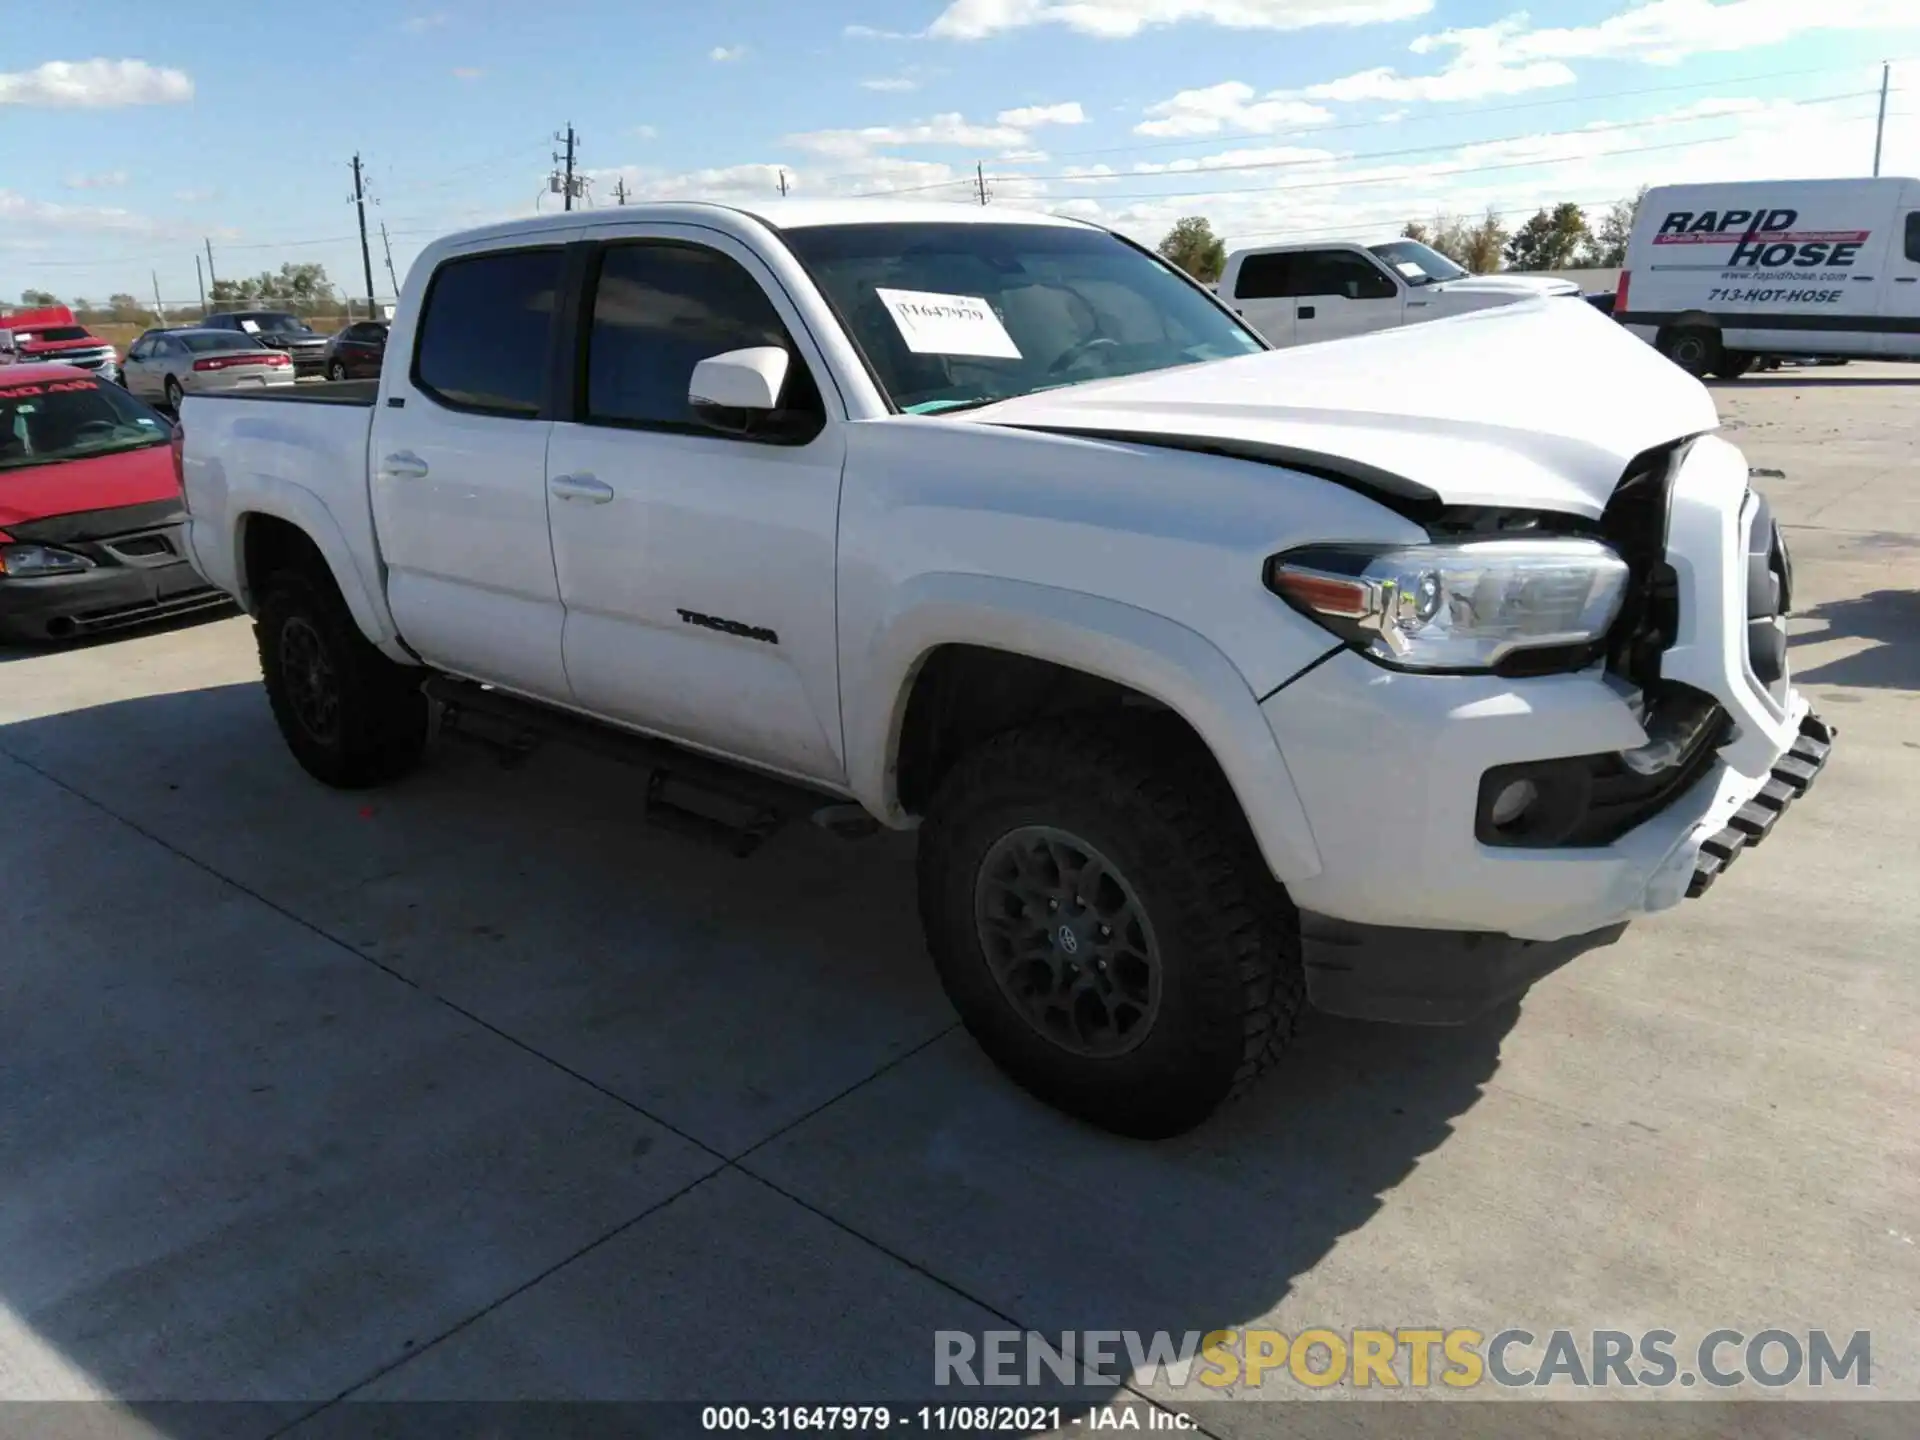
x,y
478,1088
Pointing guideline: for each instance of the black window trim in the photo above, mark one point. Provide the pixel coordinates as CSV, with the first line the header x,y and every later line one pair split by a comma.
x,y
1912,236
572,360
544,407
1367,258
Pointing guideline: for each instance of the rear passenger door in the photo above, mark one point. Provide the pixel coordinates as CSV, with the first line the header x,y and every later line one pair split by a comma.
x,y
1338,293
1263,295
458,469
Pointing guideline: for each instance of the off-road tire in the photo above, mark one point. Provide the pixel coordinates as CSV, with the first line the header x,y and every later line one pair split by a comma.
x,y
1143,792
381,728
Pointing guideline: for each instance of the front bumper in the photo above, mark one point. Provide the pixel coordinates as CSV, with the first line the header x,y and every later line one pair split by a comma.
x,y
1410,916
140,575
1418,976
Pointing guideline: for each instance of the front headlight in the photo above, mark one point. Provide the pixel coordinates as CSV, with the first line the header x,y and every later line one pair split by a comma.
x,y
21,562
1466,606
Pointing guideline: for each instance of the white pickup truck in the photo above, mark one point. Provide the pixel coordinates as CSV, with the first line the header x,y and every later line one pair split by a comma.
x,y
1383,677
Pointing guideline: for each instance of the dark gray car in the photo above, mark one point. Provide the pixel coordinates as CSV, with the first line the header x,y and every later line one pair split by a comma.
x,y
277,330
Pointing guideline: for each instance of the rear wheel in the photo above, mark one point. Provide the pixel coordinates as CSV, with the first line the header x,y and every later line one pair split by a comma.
x,y
1733,364
1694,348
1104,924
352,717
336,371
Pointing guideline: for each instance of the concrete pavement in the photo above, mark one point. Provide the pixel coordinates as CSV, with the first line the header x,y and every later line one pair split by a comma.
x,y
477,1088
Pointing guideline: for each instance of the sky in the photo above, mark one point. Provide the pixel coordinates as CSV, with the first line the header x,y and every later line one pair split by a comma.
x,y
133,134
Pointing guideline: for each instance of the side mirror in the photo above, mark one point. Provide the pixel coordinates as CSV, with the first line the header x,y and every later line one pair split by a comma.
x,y
735,391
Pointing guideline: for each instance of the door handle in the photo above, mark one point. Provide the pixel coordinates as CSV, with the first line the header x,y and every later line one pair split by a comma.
x,y
580,487
403,465
1305,312
1418,304
1905,279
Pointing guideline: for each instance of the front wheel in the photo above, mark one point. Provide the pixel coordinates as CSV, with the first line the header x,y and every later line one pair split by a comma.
x,y
1104,924
352,717
336,371
172,392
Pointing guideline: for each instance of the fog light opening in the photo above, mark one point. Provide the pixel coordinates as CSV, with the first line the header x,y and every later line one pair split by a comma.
x,y
1513,802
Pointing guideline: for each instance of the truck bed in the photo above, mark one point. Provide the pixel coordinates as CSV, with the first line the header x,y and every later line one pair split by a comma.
x,y
321,392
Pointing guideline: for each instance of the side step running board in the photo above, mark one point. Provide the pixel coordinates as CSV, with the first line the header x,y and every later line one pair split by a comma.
x,y
688,793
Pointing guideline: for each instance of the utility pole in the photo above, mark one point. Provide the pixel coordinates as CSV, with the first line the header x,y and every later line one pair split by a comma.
x,y
1880,130
620,190
159,310
783,182
201,280
366,255
212,279
980,182
566,187
387,245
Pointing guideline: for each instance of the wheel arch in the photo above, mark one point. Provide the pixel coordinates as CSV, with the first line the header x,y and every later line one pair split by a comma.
x,y
282,523
1109,652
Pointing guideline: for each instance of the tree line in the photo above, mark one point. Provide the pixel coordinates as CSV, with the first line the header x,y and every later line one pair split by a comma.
x,y
303,289
1560,237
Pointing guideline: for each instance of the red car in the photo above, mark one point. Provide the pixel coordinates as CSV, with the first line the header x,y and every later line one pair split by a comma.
x,y
90,509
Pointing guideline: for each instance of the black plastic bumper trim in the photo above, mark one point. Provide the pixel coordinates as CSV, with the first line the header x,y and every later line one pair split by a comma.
x,y
1792,774
1425,977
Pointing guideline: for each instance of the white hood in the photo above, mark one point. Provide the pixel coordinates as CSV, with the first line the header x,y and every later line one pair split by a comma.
x,y
1517,286
1537,405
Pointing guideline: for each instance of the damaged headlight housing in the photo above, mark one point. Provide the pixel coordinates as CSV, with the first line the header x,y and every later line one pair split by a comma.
x,y
1474,605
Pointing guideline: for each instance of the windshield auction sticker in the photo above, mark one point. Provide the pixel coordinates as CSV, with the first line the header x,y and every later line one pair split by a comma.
x,y
935,324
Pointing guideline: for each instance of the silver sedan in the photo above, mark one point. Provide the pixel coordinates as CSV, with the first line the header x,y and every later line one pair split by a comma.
x,y
164,365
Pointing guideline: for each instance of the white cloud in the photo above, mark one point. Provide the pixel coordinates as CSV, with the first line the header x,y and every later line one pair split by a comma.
x,y
22,213
1028,116
468,72
1230,105
1020,157
420,24
1117,19
107,180
95,84
894,84
721,54
950,129
644,132
197,196
869,32
1481,67
1662,32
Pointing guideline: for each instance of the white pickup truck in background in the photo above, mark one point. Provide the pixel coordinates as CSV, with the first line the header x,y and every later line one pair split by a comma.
x,y
1384,677
1329,290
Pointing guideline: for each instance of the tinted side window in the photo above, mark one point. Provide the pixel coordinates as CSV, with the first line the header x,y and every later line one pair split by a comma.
x,y
1263,277
1913,234
1340,272
484,331
660,309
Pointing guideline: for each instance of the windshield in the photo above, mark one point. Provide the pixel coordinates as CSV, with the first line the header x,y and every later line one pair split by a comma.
x,y
951,315
49,421
61,332
202,342
273,322
1416,263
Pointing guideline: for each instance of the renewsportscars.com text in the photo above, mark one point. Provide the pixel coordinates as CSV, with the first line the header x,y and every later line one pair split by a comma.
x,y
1415,1358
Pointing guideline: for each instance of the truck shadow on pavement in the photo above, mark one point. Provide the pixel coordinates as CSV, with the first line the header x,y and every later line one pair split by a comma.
x,y
372,1063
1890,618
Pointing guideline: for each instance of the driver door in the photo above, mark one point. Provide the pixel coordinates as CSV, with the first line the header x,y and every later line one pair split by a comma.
x,y
697,568
1343,292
